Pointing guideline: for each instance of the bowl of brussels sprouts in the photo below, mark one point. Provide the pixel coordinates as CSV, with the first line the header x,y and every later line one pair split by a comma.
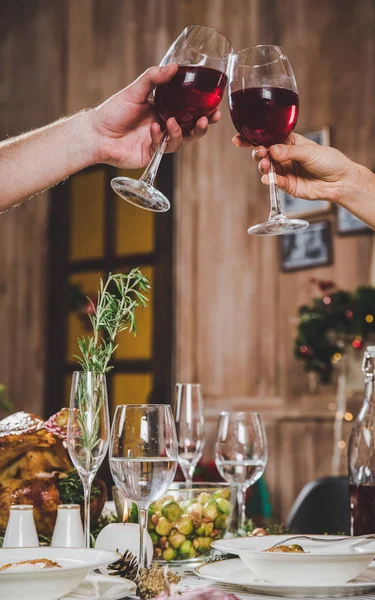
x,y
183,523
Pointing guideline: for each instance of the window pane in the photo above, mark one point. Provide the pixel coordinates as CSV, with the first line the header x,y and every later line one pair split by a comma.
x,y
131,388
139,346
134,227
78,322
87,215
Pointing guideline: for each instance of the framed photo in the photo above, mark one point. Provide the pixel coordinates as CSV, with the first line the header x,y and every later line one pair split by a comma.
x,y
297,207
307,249
348,224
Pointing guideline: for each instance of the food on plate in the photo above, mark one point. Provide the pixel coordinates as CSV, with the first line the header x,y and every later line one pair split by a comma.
x,y
183,528
26,565
33,462
291,548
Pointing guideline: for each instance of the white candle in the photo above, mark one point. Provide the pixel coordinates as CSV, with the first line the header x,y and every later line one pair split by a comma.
x,y
121,537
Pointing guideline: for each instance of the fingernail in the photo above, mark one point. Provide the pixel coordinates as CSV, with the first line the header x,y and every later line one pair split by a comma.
x,y
164,68
277,149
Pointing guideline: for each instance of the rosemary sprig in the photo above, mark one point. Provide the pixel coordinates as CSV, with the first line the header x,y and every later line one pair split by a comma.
x,y
114,312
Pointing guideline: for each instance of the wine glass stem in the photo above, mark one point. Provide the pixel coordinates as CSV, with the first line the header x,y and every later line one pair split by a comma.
x,y
241,505
152,169
274,194
143,558
87,494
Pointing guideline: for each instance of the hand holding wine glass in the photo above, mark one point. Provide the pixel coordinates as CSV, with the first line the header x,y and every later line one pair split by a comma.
x,y
189,419
195,91
241,453
264,104
88,431
143,458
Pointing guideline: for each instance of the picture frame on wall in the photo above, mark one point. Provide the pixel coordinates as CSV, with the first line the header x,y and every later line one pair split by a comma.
x,y
297,207
307,249
349,224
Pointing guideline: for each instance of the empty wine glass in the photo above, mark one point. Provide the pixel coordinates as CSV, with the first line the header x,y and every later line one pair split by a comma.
x,y
143,458
241,453
202,54
189,419
88,431
263,102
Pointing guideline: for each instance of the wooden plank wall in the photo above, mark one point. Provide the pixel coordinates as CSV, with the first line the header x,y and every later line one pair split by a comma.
x,y
235,309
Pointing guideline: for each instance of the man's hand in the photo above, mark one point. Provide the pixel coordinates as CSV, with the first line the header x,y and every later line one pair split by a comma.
x,y
126,124
305,169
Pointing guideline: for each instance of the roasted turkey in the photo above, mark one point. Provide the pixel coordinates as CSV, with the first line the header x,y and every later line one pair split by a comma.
x,y
33,459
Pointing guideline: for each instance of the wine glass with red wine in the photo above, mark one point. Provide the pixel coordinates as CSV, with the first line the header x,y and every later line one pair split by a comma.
x,y
263,103
202,55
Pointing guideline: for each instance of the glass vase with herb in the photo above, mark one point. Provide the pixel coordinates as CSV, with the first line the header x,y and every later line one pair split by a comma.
x,y
88,424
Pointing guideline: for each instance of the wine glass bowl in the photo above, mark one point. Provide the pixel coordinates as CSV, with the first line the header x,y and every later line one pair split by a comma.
x,y
241,453
264,105
202,55
189,418
88,431
143,457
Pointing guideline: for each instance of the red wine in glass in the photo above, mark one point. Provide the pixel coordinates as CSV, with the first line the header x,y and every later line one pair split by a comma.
x,y
264,115
362,508
194,92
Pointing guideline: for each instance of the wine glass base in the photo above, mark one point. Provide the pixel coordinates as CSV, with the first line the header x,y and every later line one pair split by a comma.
x,y
140,194
278,226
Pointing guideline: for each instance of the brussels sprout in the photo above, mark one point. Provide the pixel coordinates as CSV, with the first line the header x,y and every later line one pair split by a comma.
x,y
154,537
155,507
163,527
169,554
205,529
175,539
171,511
221,522
185,525
225,493
187,550
204,497
297,548
195,508
211,510
224,505
202,544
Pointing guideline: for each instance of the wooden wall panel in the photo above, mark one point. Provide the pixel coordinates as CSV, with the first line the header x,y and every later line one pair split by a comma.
x,y
31,94
235,311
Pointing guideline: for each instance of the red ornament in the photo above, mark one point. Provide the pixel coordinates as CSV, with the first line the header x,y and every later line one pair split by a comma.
x,y
305,349
327,300
349,314
323,284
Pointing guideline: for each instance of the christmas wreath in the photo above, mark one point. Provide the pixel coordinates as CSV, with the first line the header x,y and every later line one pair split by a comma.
x,y
332,321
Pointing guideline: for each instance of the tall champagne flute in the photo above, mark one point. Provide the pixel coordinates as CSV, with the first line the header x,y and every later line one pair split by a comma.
x,y
189,419
143,458
202,55
263,102
241,453
88,431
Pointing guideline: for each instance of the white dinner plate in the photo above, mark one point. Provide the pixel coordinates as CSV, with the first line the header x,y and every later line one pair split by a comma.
x,y
98,587
233,571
